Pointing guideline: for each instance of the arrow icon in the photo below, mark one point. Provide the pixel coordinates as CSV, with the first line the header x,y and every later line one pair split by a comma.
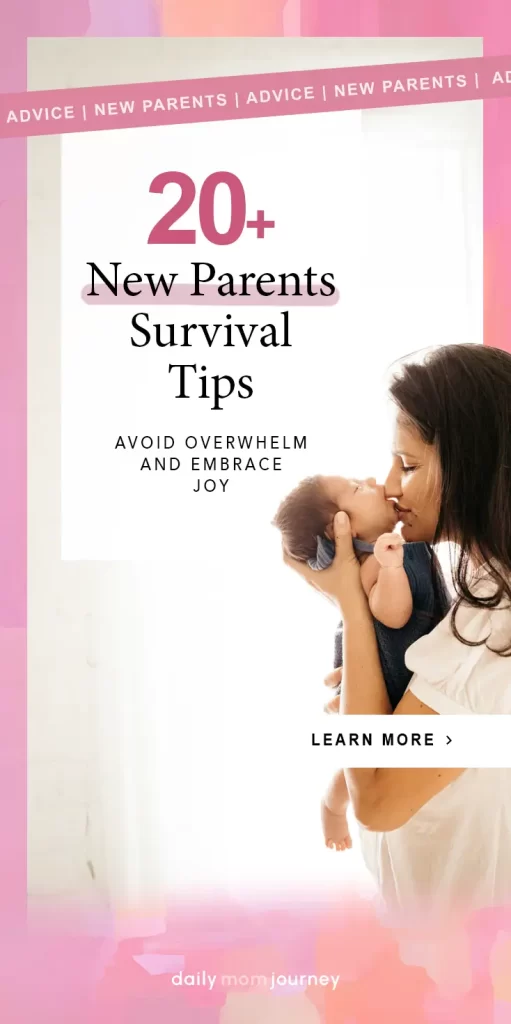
x,y
449,740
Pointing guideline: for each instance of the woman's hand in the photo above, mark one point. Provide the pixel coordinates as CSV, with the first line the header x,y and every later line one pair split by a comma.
x,y
341,581
333,680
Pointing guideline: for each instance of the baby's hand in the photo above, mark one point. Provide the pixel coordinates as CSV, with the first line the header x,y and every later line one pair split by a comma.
x,y
388,550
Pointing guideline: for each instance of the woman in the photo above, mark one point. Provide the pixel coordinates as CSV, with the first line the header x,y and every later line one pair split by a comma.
x,y
440,838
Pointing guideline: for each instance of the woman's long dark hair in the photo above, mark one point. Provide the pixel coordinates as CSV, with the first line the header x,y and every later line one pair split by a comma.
x,y
459,399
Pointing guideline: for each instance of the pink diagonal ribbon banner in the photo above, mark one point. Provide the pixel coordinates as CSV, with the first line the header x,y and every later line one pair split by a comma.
x,y
97,108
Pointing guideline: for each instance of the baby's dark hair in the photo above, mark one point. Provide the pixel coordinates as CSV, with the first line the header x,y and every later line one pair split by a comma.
x,y
304,516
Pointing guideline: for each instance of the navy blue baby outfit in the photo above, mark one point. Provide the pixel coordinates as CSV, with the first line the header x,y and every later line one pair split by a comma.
x,y
430,605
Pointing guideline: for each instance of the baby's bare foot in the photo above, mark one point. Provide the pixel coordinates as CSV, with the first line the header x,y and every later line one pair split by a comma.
x,y
335,829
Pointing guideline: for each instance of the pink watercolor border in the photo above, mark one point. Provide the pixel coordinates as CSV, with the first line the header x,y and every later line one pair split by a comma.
x,y
489,19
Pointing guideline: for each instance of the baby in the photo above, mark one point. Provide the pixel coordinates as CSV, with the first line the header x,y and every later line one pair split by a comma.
x,y
406,602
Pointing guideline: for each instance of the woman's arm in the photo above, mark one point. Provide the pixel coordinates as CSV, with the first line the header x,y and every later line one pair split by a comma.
x,y
365,692
383,798
386,798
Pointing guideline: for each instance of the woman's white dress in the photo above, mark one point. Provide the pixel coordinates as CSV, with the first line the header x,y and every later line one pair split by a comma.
x,y
454,854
